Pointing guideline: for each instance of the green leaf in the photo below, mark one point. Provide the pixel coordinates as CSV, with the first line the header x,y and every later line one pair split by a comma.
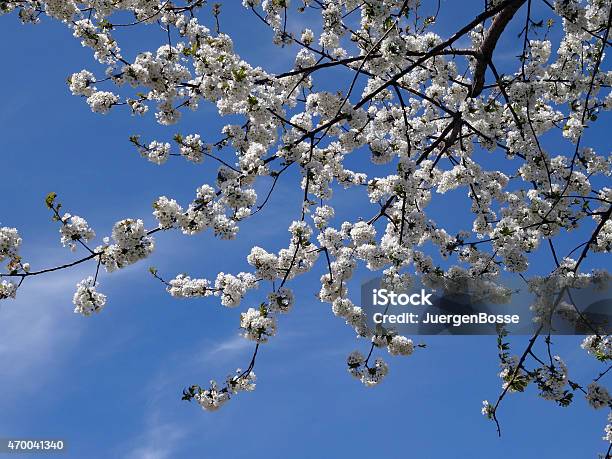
x,y
239,74
105,24
50,199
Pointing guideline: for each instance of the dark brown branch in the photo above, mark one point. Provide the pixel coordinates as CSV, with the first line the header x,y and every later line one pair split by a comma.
x,y
500,21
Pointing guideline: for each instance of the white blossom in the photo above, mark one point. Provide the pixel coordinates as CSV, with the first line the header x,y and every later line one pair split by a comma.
x,y
102,101
600,346
183,286
598,396
168,212
131,245
157,152
73,229
86,299
10,241
608,429
7,290
192,148
280,301
212,399
400,345
265,263
233,288
81,83
257,325
487,409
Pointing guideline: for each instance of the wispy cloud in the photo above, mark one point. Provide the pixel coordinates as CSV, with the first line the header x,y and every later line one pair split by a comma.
x,y
225,349
162,434
34,333
158,441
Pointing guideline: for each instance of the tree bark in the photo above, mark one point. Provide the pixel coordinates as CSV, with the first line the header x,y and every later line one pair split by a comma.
x,y
485,53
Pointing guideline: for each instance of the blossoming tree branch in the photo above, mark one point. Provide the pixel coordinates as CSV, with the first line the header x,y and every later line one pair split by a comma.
x,y
427,109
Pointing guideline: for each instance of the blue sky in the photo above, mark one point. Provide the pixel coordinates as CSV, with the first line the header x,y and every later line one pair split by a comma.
x,y
110,385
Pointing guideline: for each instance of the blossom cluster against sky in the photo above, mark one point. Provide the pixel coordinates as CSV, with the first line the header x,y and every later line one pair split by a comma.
x,y
110,385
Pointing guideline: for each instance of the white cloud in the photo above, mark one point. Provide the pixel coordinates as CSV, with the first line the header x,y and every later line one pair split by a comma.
x,y
160,437
35,331
158,441
225,349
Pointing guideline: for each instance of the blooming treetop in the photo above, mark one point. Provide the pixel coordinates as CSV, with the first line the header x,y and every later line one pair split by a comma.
x,y
424,106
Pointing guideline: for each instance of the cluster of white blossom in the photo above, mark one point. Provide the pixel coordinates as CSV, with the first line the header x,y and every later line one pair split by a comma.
x,y
232,288
552,380
192,148
368,375
598,396
257,325
10,241
603,241
265,264
400,345
7,290
608,429
102,101
241,381
75,228
157,152
550,292
206,211
514,377
322,215
213,398
86,299
82,83
99,40
487,409
599,346
183,286
280,301
131,244
167,212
